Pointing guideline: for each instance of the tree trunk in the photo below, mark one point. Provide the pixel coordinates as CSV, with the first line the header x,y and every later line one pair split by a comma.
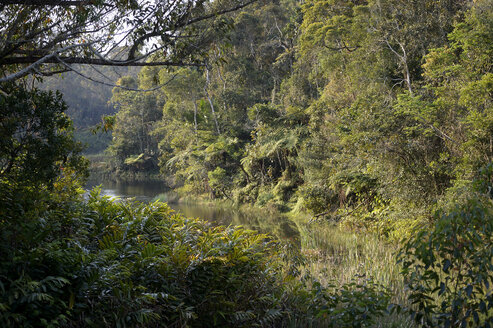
x,y
195,114
207,81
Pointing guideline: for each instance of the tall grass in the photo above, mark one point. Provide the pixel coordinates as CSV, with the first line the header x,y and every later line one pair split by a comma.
x,y
338,256
98,157
169,197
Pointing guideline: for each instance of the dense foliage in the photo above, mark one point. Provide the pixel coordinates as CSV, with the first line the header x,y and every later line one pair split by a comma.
x,y
377,112
40,170
449,269
133,265
69,260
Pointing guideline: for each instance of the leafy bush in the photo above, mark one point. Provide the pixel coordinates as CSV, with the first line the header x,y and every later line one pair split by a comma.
x,y
247,194
40,172
449,269
264,197
318,199
219,180
355,304
146,264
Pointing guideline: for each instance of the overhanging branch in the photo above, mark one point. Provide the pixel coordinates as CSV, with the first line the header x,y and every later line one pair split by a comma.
x,y
71,68
37,48
91,61
63,3
218,13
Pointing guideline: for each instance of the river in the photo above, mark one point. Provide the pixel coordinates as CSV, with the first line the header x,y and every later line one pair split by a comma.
x,y
261,221
333,255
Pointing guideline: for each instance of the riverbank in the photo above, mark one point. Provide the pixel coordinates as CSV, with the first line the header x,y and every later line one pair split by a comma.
x,y
331,252
324,250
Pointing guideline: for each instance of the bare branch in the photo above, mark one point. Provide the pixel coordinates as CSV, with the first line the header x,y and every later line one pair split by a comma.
x,y
62,3
71,68
50,73
206,85
343,47
219,13
49,59
403,59
46,59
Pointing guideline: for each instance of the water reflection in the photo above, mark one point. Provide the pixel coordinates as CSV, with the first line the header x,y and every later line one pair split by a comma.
x,y
261,221
141,190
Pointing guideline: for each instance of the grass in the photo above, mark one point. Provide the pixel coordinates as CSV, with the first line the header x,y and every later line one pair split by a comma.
x,y
335,255
340,255
99,157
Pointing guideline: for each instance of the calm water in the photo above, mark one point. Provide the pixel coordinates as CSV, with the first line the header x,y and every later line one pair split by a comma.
x,y
140,190
276,225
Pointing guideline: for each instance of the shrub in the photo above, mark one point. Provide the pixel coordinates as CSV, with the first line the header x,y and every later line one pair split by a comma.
x,y
318,199
247,194
449,269
355,304
264,197
147,264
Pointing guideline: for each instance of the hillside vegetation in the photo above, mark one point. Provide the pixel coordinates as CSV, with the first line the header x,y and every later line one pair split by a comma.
x,y
377,112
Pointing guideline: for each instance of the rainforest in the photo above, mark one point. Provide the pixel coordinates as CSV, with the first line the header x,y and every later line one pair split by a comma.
x,y
344,149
